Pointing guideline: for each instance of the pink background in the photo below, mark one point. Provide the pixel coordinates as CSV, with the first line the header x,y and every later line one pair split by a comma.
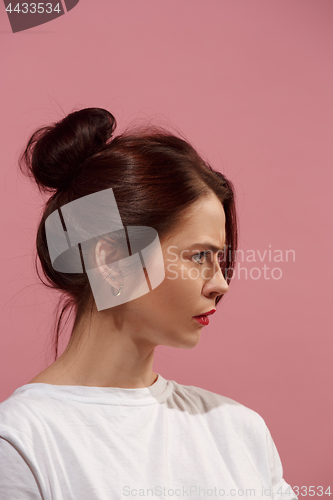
x,y
249,82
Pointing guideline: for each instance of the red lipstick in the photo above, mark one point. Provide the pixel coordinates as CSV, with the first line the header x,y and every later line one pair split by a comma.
x,y
203,318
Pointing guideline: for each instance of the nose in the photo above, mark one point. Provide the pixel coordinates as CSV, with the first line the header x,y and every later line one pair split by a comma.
x,y
216,285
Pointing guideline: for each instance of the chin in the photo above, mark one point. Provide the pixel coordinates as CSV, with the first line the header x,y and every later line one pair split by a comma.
x,y
188,341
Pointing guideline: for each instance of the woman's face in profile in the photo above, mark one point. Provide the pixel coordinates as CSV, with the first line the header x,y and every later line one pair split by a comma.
x,y
193,279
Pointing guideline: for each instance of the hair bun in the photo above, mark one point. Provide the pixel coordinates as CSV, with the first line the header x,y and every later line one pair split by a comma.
x,y
54,153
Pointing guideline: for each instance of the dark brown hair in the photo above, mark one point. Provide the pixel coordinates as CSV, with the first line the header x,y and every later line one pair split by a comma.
x,y
155,177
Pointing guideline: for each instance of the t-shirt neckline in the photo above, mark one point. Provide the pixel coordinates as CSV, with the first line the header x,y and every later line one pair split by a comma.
x,y
153,394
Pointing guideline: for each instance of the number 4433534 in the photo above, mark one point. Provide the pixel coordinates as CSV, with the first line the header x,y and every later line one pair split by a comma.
x,y
33,8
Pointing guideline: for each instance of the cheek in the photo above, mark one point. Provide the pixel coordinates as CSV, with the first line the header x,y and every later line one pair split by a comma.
x,y
185,286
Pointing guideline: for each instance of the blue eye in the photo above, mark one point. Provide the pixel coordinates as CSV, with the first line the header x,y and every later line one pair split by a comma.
x,y
202,255
199,255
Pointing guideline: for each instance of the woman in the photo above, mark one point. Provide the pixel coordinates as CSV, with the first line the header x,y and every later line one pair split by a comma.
x,y
99,423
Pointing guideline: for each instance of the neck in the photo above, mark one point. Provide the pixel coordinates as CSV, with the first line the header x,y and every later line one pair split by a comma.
x,y
104,351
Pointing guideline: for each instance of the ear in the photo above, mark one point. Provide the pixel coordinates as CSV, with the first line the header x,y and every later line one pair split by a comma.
x,y
106,253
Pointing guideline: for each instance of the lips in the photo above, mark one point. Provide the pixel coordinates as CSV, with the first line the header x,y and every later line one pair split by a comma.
x,y
203,318
206,313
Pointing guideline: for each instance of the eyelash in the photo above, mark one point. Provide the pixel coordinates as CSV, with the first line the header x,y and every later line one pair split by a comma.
x,y
199,254
204,253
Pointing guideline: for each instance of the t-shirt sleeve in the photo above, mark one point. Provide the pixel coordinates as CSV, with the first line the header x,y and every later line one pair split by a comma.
x,y
16,478
280,489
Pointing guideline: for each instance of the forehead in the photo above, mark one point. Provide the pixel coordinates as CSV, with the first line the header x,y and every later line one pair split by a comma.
x,y
203,221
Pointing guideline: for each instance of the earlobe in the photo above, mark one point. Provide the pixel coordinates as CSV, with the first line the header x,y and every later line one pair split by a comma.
x,y
113,290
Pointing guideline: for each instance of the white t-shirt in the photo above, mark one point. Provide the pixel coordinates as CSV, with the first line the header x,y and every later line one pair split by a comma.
x,y
103,443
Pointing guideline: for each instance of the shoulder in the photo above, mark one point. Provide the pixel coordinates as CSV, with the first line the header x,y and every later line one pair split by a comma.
x,y
232,425
200,399
21,414
13,406
196,400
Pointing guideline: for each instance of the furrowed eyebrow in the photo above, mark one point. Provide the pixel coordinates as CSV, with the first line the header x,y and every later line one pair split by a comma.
x,y
213,248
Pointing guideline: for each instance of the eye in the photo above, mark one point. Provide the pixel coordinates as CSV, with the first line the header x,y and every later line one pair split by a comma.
x,y
200,256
